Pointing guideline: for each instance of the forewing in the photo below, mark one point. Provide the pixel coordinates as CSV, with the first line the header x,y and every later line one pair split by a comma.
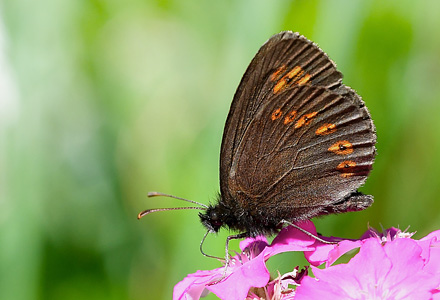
x,y
284,61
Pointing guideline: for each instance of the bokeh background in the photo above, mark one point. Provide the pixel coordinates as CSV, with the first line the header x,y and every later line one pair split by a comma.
x,y
103,101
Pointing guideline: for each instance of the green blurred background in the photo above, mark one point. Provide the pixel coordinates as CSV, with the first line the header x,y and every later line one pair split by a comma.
x,y
103,101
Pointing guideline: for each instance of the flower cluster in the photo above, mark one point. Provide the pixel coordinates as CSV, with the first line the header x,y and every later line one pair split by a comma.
x,y
389,265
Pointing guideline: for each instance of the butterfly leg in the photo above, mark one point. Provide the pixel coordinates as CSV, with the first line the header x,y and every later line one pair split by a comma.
x,y
306,232
227,257
203,252
232,237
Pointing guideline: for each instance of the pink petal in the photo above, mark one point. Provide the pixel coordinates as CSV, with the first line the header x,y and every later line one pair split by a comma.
x,y
431,251
319,254
342,248
393,271
407,279
329,253
348,281
292,239
432,266
434,234
236,286
249,241
430,245
405,257
311,288
193,285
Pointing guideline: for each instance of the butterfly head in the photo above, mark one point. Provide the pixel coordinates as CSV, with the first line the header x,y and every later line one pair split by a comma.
x,y
213,218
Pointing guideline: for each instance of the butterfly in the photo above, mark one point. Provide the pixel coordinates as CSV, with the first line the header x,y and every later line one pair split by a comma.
x,y
297,143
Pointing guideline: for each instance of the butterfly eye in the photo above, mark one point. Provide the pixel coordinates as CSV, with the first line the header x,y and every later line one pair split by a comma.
x,y
215,221
214,216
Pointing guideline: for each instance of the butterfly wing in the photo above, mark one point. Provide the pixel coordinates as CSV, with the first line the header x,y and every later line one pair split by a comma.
x,y
286,59
295,137
314,145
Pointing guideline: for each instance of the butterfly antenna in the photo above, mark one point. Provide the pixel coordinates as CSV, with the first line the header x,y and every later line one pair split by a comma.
x,y
149,211
155,194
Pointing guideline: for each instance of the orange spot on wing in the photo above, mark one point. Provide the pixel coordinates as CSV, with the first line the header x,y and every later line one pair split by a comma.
x,y
304,80
276,114
279,86
346,165
287,79
341,148
346,175
276,75
346,168
290,117
326,129
305,119
294,72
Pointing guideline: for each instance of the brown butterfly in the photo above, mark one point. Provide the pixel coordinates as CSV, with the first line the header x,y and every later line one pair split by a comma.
x,y
297,143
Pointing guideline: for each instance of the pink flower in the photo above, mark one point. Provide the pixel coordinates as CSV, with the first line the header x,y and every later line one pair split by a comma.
x,y
329,253
248,269
389,266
